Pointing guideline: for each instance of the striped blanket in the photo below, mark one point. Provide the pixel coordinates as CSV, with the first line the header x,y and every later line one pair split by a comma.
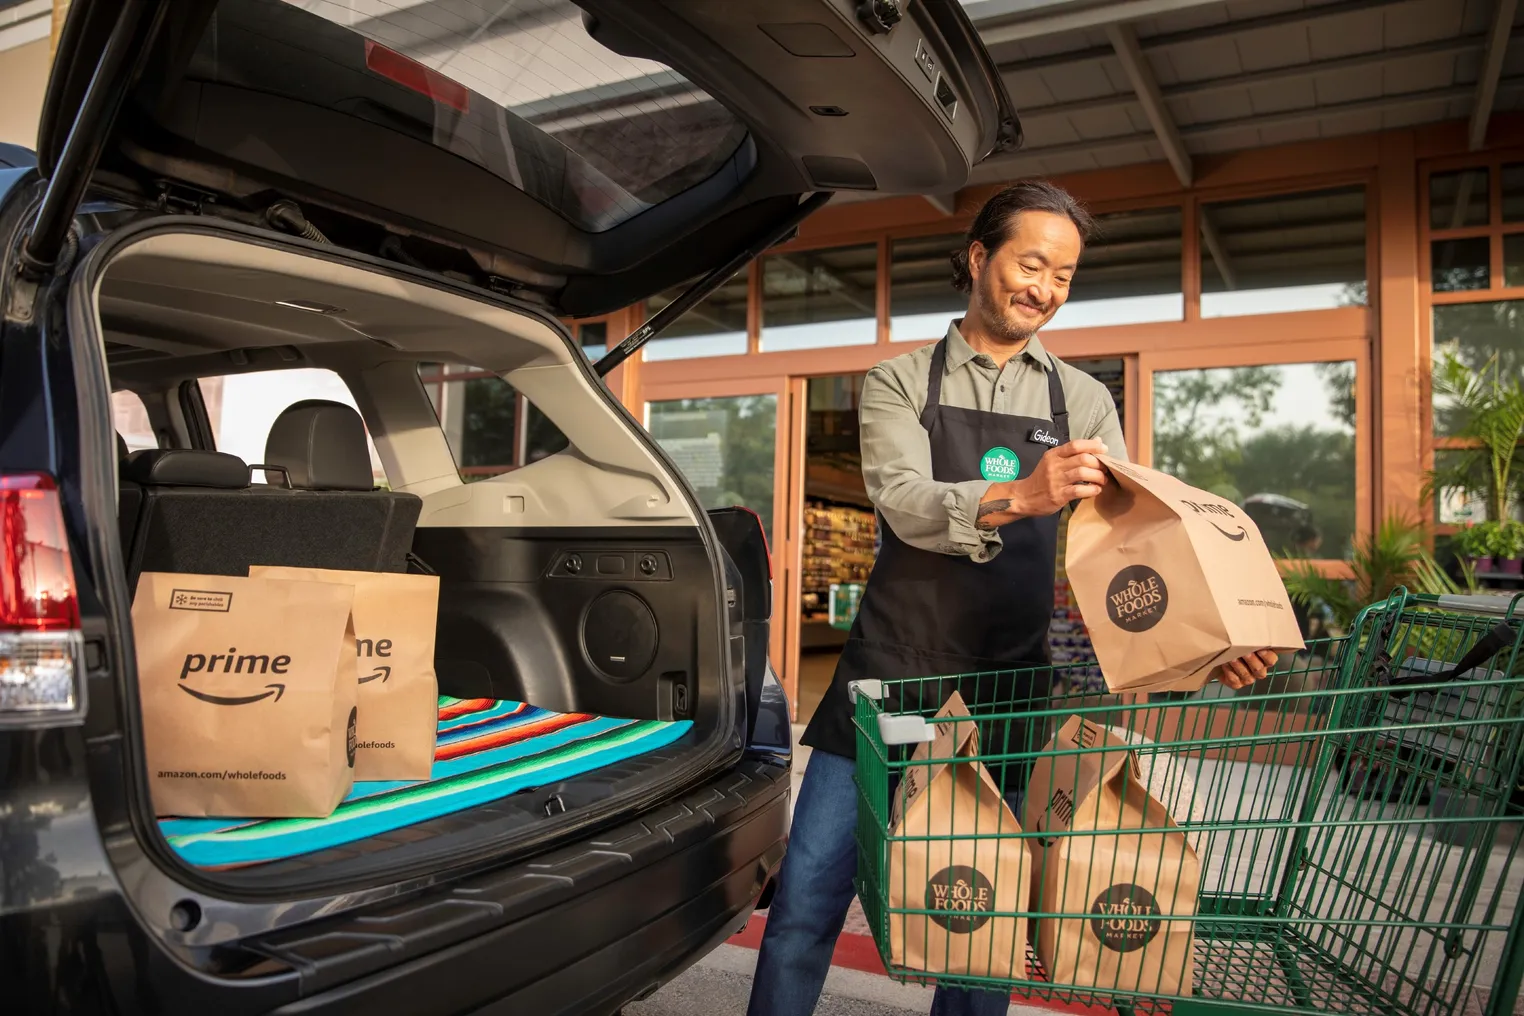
x,y
487,750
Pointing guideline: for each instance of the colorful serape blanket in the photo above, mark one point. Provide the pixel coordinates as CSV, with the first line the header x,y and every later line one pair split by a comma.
x,y
487,749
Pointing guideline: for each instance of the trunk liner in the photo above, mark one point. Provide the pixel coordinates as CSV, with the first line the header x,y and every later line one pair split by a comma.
x,y
488,749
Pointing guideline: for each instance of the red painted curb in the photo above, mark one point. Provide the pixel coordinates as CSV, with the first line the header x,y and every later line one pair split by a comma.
x,y
860,952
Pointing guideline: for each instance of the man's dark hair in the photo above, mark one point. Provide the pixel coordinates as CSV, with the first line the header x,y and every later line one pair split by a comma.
x,y
992,226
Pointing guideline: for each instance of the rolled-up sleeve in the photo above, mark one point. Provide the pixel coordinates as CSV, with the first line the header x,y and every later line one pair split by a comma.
x,y
896,451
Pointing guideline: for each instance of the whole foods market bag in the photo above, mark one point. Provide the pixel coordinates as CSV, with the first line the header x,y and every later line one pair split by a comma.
x,y
1172,582
395,619
248,690
1126,882
964,881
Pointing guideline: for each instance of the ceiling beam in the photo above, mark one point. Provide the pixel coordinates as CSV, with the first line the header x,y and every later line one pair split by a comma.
x,y
1141,76
1275,76
1003,167
1492,69
1075,17
1300,17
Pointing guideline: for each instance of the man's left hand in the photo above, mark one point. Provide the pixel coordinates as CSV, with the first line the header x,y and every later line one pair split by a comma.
x,y
1243,672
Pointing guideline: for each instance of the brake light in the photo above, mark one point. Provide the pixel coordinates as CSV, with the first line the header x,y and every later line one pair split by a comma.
x,y
40,640
411,74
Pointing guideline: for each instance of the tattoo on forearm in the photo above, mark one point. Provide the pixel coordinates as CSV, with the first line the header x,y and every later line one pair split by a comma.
x,y
990,508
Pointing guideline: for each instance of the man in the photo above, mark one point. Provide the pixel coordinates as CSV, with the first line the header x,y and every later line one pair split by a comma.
x,y
970,450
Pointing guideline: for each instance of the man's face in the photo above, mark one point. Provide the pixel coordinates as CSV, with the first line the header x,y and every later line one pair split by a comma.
x,y
1019,287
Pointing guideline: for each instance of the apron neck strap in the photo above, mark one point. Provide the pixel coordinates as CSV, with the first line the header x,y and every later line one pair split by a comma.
x,y
1056,402
934,384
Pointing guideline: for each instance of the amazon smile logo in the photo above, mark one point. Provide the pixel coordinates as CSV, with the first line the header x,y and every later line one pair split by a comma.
x,y
232,662
375,647
1209,509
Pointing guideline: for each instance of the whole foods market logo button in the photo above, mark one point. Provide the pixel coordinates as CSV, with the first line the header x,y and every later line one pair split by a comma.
x,y
1137,598
999,465
960,899
349,737
1125,917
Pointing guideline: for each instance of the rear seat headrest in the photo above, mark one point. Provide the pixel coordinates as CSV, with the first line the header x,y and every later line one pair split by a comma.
x,y
121,448
186,467
321,445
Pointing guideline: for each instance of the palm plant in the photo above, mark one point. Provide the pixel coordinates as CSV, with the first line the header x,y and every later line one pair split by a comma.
x,y
1395,554
1488,409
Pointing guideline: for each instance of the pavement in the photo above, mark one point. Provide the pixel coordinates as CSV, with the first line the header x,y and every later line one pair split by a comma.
x,y
720,983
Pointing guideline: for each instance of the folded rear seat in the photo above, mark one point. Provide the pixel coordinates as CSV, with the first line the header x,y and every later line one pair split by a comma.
x,y
200,513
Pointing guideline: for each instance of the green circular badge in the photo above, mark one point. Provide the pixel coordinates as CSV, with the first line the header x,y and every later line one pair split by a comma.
x,y
999,465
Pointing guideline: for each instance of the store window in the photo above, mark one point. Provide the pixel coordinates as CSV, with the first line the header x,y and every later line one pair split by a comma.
x,y
1475,333
1291,252
715,327
243,407
130,418
1277,440
724,446
922,300
1513,192
817,298
1129,274
1458,199
593,338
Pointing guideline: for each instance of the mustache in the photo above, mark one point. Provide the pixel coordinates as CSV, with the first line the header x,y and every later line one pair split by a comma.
x,y
1040,307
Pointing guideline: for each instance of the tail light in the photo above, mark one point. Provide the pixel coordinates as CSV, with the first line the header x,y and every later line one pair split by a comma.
x,y
40,641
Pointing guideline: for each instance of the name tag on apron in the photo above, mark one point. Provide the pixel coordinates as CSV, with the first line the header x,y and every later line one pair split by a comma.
x,y
1040,435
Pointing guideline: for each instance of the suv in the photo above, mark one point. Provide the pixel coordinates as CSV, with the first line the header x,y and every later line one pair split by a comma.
x,y
369,189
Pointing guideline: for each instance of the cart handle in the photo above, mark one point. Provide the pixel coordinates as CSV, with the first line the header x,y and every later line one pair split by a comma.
x,y
893,729
1497,606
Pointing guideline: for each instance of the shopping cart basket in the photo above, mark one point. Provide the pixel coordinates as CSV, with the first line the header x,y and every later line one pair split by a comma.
x,y
1393,893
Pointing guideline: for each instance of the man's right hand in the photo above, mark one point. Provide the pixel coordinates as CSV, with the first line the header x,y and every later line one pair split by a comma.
x,y
1068,473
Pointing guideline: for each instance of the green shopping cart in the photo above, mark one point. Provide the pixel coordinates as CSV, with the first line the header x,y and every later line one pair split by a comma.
x,y
1340,839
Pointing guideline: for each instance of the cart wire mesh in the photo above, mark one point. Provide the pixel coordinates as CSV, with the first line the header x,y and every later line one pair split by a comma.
x,y
1354,818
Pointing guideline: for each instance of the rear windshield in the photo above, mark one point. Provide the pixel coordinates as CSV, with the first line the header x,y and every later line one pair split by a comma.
x,y
517,87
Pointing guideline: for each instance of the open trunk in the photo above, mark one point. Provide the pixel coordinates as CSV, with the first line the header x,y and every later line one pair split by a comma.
x,y
590,648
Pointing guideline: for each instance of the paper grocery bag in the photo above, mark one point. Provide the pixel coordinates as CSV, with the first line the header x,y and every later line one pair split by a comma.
x,y
248,690
395,619
1172,582
1124,883
964,881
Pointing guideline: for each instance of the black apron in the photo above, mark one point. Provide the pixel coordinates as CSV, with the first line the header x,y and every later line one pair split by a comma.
x,y
925,614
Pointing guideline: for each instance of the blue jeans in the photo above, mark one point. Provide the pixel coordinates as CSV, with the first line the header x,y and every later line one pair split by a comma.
x,y
813,894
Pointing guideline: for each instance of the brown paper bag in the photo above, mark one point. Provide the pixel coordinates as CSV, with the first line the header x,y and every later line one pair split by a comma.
x,y
1172,582
1125,882
395,618
967,879
248,691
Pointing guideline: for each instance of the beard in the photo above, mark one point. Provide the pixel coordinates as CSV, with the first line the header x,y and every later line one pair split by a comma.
x,y
998,317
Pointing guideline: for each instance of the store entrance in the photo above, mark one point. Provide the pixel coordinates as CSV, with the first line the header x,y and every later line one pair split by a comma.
x,y
839,533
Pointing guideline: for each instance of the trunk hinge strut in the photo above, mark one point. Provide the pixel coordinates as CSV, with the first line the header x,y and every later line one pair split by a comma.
x,y
659,322
126,50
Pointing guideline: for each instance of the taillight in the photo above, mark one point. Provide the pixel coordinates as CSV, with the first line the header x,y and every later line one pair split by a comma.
x,y
767,549
40,641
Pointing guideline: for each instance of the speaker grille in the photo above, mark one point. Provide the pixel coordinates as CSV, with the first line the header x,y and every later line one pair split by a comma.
x,y
619,635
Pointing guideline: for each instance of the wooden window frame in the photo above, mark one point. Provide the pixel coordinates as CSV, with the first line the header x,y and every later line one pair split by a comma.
x,y
1493,162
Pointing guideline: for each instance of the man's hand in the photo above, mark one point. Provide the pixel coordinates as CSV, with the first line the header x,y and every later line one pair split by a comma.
x,y
1069,472
1244,672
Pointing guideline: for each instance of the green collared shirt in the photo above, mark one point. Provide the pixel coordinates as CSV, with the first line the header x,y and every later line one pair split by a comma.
x,y
897,450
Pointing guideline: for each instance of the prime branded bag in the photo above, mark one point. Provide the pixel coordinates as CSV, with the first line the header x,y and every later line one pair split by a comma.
x,y
1172,582
248,690
963,881
1126,884
395,619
